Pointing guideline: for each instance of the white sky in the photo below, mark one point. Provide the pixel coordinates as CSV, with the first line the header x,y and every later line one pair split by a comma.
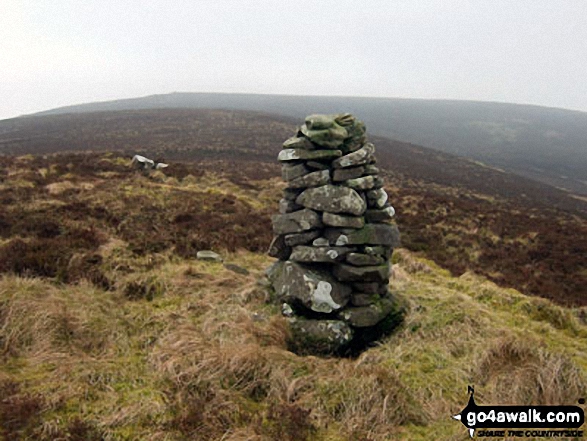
x,y
61,52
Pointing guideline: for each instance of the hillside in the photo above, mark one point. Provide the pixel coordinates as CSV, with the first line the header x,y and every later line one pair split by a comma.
x,y
545,144
466,217
111,330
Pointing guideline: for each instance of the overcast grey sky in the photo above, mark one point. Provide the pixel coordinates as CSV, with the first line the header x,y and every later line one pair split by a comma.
x,y
61,52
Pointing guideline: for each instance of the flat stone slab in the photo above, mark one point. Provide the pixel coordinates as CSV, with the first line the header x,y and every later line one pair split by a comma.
x,y
300,142
315,289
310,336
325,254
363,183
370,234
343,174
296,222
350,273
367,316
208,255
314,179
333,199
300,154
360,259
301,238
360,157
289,172
236,269
340,220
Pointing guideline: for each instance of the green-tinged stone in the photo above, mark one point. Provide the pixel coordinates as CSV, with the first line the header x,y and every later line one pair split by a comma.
x,y
318,337
333,199
296,142
296,222
360,259
384,215
345,119
301,238
314,179
364,183
339,220
331,138
319,122
367,316
350,273
289,172
370,234
344,174
325,254
360,157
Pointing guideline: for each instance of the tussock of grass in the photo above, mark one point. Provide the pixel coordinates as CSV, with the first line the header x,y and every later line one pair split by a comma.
x,y
205,357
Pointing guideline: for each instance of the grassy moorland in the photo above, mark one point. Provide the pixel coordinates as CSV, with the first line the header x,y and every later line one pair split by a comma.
x,y
111,330
465,216
542,143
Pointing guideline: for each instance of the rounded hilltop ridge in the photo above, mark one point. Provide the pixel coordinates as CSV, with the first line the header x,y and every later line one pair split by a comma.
x,y
333,238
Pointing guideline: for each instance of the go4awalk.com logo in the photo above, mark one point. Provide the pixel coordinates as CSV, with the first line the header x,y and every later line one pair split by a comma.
x,y
522,421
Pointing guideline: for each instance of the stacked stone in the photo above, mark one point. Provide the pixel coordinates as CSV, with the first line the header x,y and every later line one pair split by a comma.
x,y
333,237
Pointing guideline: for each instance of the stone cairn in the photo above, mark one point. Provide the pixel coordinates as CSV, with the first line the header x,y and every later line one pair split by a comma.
x,y
333,239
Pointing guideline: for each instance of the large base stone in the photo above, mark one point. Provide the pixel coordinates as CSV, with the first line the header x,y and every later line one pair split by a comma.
x,y
315,289
309,336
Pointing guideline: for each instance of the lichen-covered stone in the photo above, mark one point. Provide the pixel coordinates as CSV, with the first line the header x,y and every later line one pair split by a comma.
x,y
366,316
360,259
377,198
384,215
209,256
335,250
343,174
286,155
325,254
313,179
370,234
296,222
319,121
363,183
293,171
296,142
334,199
371,169
324,337
315,289
301,238
340,220
360,157
379,251
320,242
330,138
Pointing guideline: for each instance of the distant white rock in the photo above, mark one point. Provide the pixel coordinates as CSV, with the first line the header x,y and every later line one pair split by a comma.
x,y
142,163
